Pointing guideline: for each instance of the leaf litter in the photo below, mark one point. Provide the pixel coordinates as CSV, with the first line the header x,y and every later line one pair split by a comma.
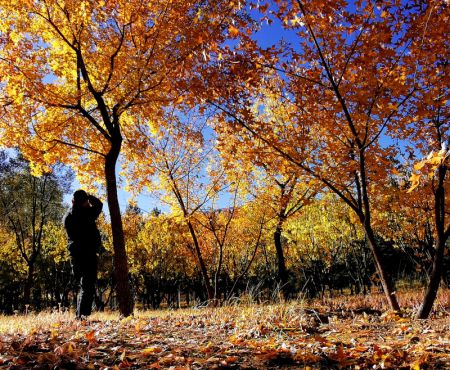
x,y
284,336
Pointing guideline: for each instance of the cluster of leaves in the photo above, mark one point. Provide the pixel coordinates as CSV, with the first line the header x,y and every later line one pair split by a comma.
x,y
247,337
427,167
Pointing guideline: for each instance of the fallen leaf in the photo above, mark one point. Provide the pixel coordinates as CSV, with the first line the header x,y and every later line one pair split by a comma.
x,y
151,350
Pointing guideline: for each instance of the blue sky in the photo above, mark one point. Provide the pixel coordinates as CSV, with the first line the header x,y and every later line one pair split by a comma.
x,y
145,201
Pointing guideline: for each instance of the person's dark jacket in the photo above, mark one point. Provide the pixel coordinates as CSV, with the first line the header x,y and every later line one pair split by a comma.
x,y
83,236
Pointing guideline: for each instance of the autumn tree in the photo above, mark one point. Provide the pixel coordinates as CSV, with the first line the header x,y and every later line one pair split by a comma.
x,y
246,260
282,195
425,131
13,271
79,77
271,179
217,222
325,236
180,154
344,68
55,273
160,261
27,205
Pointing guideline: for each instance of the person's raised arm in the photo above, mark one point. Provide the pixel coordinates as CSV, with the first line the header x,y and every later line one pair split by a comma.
x,y
96,206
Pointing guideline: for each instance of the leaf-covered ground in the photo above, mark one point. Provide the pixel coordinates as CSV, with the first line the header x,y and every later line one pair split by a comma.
x,y
333,334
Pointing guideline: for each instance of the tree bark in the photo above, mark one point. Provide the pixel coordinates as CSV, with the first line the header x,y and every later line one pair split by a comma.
x,y
201,262
385,277
365,218
28,284
438,258
433,285
120,256
282,271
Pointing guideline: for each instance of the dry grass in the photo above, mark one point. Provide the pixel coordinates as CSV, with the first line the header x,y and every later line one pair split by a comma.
x,y
324,333
409,301
247,314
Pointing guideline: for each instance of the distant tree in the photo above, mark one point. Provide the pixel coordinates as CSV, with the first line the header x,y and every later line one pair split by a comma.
x,y
27,205
271,179
13,271
181,154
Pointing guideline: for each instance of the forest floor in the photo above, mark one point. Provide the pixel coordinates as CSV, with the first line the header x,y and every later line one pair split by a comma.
x,y
340,333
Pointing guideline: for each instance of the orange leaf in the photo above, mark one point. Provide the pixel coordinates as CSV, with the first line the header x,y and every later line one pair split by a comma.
x,y
231,359
361,349
233,31
90,336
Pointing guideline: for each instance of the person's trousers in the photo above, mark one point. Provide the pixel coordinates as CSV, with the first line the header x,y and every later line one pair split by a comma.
x,y
85,273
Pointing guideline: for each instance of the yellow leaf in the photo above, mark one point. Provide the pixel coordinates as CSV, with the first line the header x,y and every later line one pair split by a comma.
x,y
419,165
151,350
153,128
15,37
297,21
70,348
137,327
436,160
54,334
415,181
126,320
123,356
207,348
393,106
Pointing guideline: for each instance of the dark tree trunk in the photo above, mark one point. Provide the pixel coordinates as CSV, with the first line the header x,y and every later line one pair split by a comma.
x,y
201,263
216,276
385,277
438,258
282,271
28,284
365,218
120,256
433,285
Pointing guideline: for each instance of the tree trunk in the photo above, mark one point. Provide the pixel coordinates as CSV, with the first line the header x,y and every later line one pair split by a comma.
x,y
385,278
438,259
365,218
433,285
282,271
204,271
28,284
120,256
219,268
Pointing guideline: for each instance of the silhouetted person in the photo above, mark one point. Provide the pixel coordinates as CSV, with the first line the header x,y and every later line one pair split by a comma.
x,y
84,242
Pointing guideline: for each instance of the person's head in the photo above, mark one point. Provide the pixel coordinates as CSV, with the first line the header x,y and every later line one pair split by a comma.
x,y
80,199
